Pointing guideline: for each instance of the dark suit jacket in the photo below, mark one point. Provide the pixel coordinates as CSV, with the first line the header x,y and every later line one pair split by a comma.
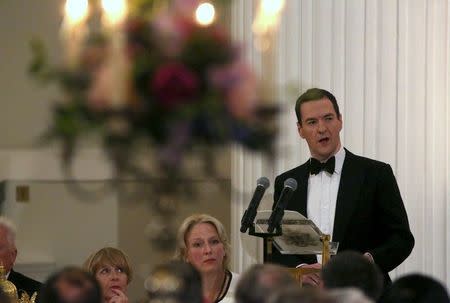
x,y
24,283
370,215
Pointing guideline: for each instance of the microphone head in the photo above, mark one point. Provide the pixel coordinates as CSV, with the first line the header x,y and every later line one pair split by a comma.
x,y
291,183
264,182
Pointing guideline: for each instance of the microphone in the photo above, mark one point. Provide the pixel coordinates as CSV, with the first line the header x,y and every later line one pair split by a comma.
x,y
290,185
249,215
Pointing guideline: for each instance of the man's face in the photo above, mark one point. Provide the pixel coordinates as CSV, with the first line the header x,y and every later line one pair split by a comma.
x,y
8,252
320,128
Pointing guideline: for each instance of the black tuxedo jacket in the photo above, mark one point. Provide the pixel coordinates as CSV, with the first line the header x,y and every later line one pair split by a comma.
x,y
370,215
24,283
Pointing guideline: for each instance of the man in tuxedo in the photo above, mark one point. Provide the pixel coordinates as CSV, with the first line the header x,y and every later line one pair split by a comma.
x,y
354,199
8,254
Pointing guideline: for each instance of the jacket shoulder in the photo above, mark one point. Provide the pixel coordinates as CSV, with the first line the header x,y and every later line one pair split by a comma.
x,y
364,161
23,282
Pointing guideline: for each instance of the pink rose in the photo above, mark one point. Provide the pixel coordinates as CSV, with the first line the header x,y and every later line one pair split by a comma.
x,y
174,84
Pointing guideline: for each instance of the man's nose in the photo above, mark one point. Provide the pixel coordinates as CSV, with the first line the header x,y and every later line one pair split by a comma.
x,y
321,126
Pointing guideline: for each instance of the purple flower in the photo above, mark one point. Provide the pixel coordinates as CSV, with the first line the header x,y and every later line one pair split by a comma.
x,y
174,84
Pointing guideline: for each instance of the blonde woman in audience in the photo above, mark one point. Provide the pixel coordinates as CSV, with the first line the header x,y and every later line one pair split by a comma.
x,y
111,268
202,242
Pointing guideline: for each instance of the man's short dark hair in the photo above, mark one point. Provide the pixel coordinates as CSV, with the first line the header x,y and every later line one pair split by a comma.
x,y
314,94
83,287
352,269
416,288
260,281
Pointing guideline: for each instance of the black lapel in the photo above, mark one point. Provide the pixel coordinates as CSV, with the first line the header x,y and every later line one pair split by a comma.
x,y
302,188
348,193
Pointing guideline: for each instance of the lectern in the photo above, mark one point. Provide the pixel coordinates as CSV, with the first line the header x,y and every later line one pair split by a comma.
x,y
295,234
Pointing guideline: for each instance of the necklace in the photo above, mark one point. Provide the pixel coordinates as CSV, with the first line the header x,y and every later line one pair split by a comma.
x,y
224,288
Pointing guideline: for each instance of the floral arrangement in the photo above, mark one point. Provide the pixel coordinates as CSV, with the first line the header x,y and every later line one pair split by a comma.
x,y
156,76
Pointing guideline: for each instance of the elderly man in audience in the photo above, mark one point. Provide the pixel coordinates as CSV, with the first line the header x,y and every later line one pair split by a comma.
x,y
71,285
8,254
260,281
352,269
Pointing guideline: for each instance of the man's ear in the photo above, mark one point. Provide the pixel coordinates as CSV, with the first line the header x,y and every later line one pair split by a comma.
x,y
14,253
300,130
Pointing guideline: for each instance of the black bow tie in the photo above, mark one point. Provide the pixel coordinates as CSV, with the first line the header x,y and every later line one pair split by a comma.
x,y
315,166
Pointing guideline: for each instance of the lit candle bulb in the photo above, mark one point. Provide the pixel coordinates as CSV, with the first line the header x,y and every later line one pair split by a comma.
x,y
114,13
73,29
204,14
266,22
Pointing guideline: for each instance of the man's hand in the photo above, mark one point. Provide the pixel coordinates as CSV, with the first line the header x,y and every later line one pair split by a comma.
x,y
119,297
312,279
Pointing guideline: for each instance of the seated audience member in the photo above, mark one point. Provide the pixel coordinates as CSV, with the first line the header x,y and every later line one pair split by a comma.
x,y
174,282
349,295
261,281
111,268
416,288
202,242
352,269
300,295
8,254
71,285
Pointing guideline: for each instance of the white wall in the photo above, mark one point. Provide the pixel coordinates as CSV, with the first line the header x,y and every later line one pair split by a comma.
x,y
56,226
387,62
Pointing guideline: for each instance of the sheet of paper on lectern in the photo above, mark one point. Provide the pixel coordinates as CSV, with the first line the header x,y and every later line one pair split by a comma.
x,y
299,234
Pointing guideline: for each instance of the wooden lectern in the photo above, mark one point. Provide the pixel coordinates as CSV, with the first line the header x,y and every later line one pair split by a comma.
x,y
295,235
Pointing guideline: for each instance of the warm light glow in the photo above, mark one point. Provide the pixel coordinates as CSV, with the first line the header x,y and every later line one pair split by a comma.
x,y
205,14
272,7
76,10
115,10
267,16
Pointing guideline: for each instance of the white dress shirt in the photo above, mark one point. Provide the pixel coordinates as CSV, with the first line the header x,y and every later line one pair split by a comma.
x,y
322,195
